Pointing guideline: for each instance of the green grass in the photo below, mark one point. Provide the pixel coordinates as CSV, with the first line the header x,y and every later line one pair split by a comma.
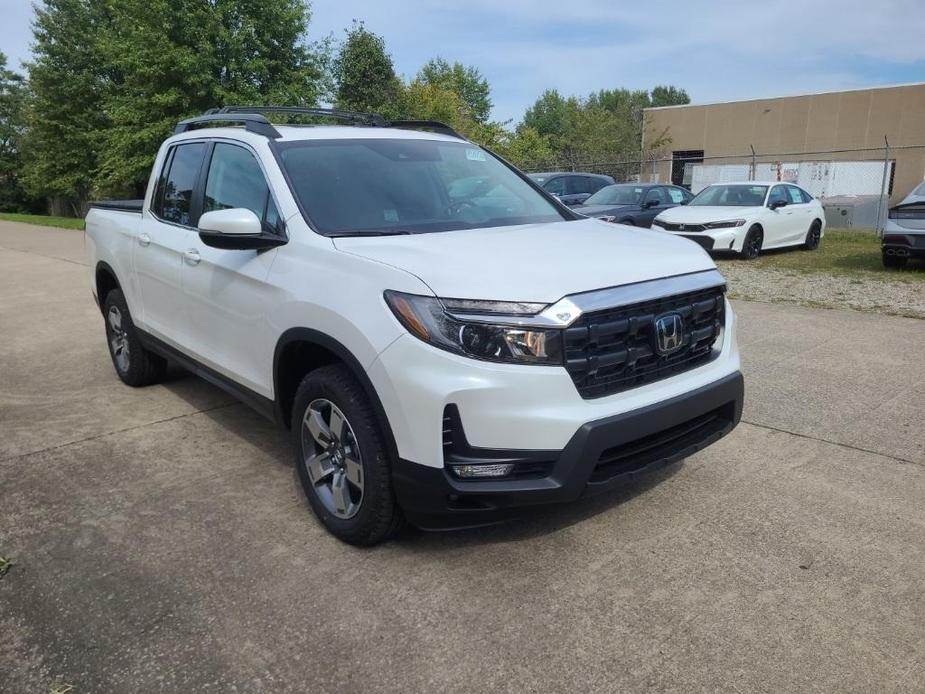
x,y
852,253
44,220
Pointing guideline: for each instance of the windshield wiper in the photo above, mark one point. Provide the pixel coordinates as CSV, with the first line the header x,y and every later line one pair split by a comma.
x,y
369,232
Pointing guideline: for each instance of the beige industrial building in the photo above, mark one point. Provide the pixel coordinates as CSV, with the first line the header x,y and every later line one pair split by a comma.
x,y
846,127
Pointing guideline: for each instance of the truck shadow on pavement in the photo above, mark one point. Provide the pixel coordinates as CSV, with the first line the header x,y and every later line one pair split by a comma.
x,y
273,441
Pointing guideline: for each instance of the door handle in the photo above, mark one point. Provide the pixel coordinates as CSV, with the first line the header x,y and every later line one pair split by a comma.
x,y
144,240
191,256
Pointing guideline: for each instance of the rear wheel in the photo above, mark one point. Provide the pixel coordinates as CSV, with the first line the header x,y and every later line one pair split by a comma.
x,y
893,261
813,236
135,365
751,247
342,459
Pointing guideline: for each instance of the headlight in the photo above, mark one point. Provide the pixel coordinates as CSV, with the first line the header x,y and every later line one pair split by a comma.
x,y
658,223
725,225
429,319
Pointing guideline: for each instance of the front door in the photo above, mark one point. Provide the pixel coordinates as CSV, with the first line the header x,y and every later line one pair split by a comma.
x,y
779,222
226,292
166,229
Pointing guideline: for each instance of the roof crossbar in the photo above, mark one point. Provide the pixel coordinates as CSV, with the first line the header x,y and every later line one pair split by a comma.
x,y
254,119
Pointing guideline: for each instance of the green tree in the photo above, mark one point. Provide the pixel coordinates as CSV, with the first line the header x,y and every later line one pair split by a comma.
x,y
668,95
13,94
173,58
466,81
364,76
67,112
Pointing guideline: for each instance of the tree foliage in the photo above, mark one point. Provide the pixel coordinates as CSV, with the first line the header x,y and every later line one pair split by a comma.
x,y
364,75
13,95
465,81
606,126
113,77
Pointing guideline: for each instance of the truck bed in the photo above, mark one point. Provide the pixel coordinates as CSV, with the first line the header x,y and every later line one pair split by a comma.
x,y
119,205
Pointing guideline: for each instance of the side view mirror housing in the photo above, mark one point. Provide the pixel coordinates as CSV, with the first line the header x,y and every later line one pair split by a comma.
x,y
236,229
650,203
684,202
777,203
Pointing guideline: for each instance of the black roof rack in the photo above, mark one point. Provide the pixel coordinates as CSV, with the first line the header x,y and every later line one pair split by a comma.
x,y
254,121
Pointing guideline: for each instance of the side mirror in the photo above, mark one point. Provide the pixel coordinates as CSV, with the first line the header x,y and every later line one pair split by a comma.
x,y
777,203
236,229
684,202
650,203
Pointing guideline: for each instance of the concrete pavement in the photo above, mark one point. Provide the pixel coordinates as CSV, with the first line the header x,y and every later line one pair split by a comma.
x,y
162,542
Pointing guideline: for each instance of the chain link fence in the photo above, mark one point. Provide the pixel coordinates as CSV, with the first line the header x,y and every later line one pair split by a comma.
x,y
855,186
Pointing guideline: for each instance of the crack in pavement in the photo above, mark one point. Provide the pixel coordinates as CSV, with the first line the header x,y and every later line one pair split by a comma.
x,y
104,434
849,446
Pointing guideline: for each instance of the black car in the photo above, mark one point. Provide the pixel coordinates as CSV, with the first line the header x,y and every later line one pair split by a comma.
x,y
571,187
632,203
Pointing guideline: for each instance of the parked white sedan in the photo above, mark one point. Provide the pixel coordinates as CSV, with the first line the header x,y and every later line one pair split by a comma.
x,y
748,218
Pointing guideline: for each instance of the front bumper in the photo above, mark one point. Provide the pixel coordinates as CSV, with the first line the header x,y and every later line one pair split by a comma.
x,y
715,240
600,455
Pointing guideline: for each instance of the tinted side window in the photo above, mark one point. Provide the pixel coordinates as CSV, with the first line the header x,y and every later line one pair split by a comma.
x,y
177,195
583,184
595,184
795,195
677,195
806,196
777,193
556,186
236,180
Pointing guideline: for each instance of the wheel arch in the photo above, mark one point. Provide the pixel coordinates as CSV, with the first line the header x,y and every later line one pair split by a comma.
x,y
302,350
105,280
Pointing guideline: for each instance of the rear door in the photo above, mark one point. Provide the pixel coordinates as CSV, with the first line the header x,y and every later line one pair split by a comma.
x,y
165,232
226,291
802,214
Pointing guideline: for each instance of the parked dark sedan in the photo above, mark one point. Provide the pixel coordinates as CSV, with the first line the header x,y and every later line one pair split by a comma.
x,y
634,204
571,187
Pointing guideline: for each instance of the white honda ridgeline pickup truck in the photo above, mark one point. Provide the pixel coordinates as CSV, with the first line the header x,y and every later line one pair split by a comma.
x,y
445,341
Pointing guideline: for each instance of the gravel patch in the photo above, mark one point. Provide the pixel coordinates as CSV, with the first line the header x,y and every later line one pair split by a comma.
x,y
823,290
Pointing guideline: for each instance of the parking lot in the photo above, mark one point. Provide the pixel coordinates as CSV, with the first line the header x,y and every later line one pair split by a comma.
x,y
160,539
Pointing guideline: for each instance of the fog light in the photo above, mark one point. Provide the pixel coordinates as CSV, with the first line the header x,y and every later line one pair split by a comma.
x,y
471,471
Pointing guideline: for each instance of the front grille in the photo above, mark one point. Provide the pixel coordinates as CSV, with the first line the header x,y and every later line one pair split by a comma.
x,y
613,350
683,227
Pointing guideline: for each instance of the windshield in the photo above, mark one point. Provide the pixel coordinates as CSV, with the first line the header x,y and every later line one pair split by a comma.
x,y
616,195
731,196
381,186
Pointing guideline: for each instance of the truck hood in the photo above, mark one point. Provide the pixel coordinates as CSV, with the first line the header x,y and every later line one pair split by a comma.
x,y
701,214
593,210
533,262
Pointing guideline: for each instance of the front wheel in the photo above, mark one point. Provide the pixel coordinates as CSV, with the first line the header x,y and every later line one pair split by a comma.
x,y
342,459
751,247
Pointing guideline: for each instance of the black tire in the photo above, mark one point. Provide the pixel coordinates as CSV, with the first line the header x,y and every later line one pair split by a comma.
x,y
894,261
813,236
135,365
751,247
378,516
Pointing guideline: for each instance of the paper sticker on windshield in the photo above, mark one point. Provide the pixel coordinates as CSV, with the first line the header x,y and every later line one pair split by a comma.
x,y
476,155
390,215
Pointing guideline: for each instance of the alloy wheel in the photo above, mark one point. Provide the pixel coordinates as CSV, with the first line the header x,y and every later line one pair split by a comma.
x,y
332,458
118,339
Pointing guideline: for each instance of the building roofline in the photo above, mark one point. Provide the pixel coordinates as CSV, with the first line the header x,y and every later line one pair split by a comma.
x,y
789,96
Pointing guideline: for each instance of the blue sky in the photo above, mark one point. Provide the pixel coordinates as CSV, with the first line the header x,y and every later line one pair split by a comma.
x,y
717,51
